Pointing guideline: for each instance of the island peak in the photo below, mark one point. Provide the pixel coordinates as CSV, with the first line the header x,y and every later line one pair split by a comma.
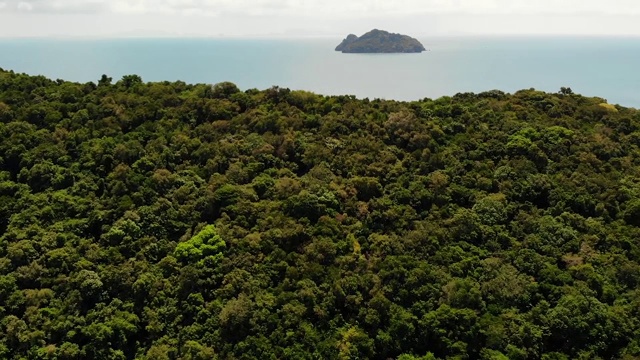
x,y
380,41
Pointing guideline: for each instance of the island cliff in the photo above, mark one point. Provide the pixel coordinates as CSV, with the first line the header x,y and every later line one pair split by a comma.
x,y
380,41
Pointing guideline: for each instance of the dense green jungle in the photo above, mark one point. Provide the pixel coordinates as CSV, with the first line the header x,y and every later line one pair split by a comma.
x,y
165,220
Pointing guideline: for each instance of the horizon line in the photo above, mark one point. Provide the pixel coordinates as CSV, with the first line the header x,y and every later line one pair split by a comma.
x,y
284,36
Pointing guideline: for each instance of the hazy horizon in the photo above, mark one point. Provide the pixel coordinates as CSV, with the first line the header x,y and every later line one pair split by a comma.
x,y
289,36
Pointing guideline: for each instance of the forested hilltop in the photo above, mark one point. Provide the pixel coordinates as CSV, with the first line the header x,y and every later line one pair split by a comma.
x,y
176,221
380,41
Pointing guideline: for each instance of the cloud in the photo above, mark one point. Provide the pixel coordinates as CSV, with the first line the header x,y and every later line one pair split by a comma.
x,y
55,6
141,7
24,6
318,18
342,8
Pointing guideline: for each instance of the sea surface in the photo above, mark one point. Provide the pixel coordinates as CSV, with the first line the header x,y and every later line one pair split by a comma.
x,y
604,67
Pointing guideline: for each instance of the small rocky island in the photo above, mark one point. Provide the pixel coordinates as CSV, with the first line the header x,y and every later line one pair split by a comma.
x,y
380,41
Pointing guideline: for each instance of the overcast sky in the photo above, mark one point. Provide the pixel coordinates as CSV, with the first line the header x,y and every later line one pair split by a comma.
x,y
323,18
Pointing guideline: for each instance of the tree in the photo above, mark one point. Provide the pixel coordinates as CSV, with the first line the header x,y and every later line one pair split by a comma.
x,y
206,244
104,81
566,91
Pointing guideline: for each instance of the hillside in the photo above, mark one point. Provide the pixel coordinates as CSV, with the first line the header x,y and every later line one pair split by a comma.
x,y
380,41
178,221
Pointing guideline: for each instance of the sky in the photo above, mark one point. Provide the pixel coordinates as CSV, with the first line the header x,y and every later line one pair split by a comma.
x,y
315,18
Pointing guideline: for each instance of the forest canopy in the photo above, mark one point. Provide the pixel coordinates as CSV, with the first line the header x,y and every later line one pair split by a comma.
x,y
165,220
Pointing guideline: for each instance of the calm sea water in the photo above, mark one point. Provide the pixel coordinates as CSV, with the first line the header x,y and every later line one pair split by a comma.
x,y
605,67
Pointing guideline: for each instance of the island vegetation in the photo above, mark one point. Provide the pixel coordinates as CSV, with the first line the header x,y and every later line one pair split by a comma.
x,y
380,41
175,221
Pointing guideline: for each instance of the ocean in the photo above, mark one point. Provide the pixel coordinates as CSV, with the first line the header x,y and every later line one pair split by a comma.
x,y
603,67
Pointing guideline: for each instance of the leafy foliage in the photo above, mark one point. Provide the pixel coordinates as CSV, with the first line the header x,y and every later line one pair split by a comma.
x,y
207,243
178,221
